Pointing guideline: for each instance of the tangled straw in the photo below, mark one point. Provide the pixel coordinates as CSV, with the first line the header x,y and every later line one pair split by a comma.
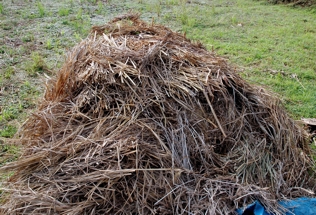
x,y
140,120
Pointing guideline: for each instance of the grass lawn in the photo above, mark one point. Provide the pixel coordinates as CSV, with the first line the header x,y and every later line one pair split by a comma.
x,y
271,45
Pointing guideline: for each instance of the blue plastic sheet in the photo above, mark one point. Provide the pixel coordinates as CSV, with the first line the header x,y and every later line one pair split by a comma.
x,y
300,206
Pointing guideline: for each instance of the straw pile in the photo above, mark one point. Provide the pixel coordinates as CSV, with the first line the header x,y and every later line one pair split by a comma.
x,y
142,121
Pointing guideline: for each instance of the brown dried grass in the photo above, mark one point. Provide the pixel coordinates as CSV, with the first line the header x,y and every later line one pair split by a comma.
x,y
142,121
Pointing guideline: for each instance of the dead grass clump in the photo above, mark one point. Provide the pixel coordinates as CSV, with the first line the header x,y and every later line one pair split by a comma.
x,y
306,3
142,121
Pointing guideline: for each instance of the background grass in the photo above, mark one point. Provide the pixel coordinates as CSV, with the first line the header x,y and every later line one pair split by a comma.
x,y
271,45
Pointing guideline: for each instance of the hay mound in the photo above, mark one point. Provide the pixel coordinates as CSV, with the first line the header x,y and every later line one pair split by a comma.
x,y
142,121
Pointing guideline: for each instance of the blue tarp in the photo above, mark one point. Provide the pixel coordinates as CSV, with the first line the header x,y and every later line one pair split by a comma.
x,y
300,206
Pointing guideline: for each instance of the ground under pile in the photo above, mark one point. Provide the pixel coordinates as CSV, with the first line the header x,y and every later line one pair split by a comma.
x,y
142,121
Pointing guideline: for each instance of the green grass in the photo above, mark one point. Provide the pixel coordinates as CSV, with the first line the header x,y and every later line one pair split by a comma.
x,y
28,38
8,153
8,114
1,8
271,45
8,72
63,11
100,7
41,9
8,131
36,65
